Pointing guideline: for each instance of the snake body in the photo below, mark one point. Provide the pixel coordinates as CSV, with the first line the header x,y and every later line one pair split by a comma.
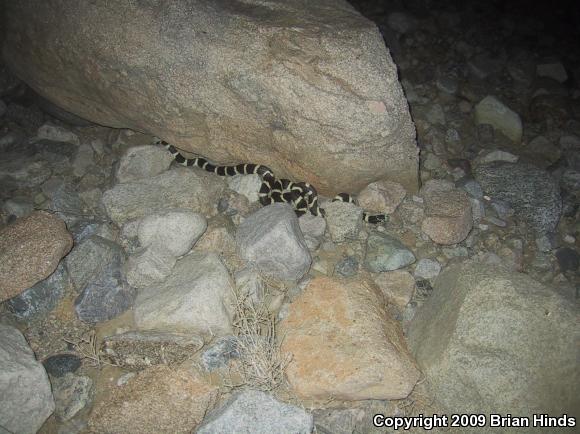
x,y
301,195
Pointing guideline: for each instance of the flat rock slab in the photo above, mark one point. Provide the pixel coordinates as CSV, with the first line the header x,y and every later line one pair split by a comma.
x,y
306,88
344,345
30,250
493,341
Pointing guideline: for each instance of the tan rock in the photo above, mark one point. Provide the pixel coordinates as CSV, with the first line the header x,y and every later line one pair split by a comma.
x,y
382,196
306,88
157,400
448,217
30,250
397,286
344,345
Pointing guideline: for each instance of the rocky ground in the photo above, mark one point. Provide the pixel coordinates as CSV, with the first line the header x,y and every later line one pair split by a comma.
x,y
170,298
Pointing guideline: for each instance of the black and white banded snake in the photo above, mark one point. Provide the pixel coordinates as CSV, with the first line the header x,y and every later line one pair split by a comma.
x,y
301,195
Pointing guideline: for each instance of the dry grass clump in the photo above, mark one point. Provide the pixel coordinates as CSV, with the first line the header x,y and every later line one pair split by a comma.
x,y
261,364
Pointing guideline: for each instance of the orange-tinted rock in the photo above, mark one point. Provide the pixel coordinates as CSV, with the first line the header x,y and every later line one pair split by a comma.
x,y
344,345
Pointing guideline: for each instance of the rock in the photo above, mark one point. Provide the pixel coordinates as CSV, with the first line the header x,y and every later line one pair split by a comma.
x,y
397,286
543,151
485,134
482,66
249,284
25,395
381,197
66,203
347,267
139,350
427,269
532,192
344,221
18,207
23,171
194,298
247,185
555,71
492,111
568,259
182,187
148,266
42,297
106,294
174,231
276,104
323,331
471,186
220,353
270,239
448,217
84,158
55,133
252,411
496,155
477,210
141,405
30,250
59,365
313,228
88,260
142,162
479,336
72,393
352,420
385,253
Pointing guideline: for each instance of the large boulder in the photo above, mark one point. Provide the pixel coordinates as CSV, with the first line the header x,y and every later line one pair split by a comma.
x,y
307,88
493,341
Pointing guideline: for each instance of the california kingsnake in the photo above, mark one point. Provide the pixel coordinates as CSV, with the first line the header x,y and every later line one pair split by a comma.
x,y
301,195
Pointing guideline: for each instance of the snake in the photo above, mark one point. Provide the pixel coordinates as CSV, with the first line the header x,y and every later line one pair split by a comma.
x,y
302,196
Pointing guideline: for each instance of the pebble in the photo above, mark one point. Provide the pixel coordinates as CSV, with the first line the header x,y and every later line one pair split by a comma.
x,y
427,269
246,185
385,253
220,353
492,111
55,133
60,364
347,266
568,259
381,197
555,71
397,286
343,220
141,162
71,393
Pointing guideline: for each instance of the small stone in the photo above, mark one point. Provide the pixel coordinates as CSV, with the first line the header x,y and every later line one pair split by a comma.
x,y
219,354
427,269
61,364
344,221
72,393
141,162
30,250
385,253
381,197
471,186
56,134
568,259
447,85
397,286
492,111
313,228
555,71
477,210
546,242
347,266
18,207
247,185
497,155
83,159
252,411
502,208
482,66
496,221
435,115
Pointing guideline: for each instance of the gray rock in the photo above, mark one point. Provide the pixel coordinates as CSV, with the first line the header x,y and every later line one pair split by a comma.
x,y
285,113
270,239
138,350
568,259
546,242
532,193
72,393
181,187
67,204
497,155
354,420
477,210
25,395
142,162
147,266
255,412
173,231
490,340
347,266
247,185
482,66
447,85
23,172
88,259
42,297
427,269
59,365
492,111
220,353
313,228
250,284
55,133
385,253
194,298
555,71
83,159
471,186
18,207
106,294
344,221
